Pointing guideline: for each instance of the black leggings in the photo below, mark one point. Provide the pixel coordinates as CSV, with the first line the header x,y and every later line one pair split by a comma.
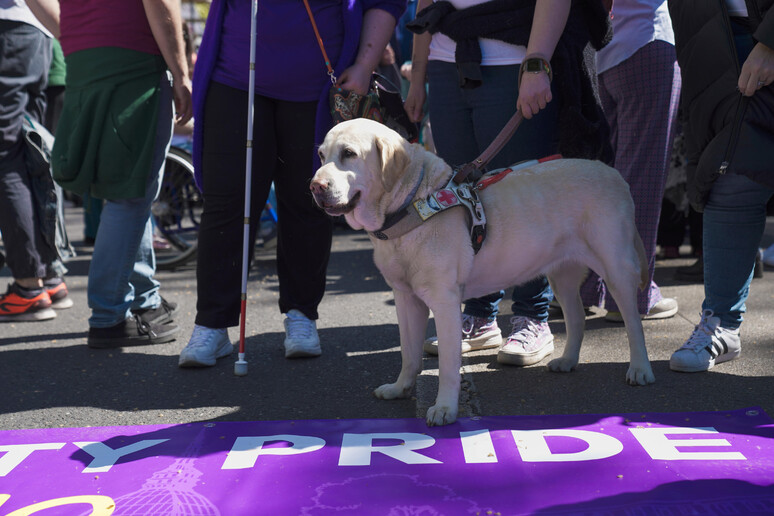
x,y
283,147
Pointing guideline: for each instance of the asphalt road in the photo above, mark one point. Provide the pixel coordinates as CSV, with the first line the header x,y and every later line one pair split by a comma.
x,y
50,378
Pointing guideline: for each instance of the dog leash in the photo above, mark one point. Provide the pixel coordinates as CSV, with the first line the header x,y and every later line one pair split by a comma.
x,y
472,171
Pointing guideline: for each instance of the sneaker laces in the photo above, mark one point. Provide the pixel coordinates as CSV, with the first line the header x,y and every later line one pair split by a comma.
x,y
523,328
143,328
471,324
702,333
300,328
199,337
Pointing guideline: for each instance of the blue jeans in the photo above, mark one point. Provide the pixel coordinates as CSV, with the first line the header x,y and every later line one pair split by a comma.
x,y
464,123
734,222
123,263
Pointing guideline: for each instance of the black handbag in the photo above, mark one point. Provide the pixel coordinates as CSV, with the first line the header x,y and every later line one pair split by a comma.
x,y
382,103
743,147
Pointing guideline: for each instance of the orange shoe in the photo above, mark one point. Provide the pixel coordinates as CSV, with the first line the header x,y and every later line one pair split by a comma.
x,y
57,291
16,306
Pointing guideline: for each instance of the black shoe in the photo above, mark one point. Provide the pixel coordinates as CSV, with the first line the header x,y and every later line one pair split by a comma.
x,y
691,273
131,332
162,314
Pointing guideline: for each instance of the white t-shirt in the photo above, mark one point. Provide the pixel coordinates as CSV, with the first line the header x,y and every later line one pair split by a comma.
x,y
493,52
737,8
17,10
635,24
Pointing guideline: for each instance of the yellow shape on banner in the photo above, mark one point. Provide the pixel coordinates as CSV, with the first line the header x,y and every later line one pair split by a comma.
x,y
100,505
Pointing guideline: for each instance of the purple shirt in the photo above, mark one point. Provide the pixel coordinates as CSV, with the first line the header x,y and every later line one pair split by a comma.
x,y
288,62
350,20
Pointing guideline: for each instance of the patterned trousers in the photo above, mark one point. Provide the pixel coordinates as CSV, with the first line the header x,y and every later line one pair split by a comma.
x,y
640,97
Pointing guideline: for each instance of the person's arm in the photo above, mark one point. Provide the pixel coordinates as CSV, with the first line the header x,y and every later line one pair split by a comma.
x,y
548,23
378,26
47,13
416,96
167,26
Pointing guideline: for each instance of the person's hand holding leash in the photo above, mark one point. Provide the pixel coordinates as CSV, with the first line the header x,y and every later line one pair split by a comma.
x,y
534,93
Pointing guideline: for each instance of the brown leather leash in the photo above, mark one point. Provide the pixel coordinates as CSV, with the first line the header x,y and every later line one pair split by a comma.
x,y
473,170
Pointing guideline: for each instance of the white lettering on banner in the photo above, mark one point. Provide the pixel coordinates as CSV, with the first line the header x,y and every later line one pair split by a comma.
x,y
246,450
15,453
478,447
533,447
659,447
356,449
105,456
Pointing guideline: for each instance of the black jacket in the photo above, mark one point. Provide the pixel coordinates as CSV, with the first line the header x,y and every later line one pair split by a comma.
x,y
583,130
709,98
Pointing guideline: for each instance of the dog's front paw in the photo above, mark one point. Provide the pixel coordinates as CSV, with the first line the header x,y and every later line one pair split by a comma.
x,y
562,365
640,375
391,391
439,415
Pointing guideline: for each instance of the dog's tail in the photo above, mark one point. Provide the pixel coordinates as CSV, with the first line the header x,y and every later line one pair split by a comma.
x,y
644,273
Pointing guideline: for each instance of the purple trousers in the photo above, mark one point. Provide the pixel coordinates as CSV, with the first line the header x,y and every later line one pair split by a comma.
x,y
640,97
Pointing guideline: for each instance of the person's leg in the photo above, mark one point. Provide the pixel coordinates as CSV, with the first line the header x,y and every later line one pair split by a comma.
x,y
26,54
145,286
304,231
492,106
219,254
122,266
641,100
734,221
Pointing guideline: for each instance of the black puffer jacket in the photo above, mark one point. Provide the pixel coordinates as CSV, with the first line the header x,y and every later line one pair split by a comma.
x,y
710,71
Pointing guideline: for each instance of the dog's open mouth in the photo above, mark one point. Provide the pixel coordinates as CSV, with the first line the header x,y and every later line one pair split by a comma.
x,y
342,209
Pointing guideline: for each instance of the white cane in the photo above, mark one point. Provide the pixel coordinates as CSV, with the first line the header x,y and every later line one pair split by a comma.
x,y
240,366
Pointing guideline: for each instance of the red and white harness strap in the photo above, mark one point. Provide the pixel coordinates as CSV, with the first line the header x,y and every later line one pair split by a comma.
x,y
496,175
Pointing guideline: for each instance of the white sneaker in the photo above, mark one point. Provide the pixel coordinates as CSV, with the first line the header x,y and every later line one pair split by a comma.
x,y
206,346
709,344
477,333
301,339
530,342
664,309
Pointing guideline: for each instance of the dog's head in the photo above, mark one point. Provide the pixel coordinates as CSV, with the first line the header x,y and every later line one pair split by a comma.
x,y
362,161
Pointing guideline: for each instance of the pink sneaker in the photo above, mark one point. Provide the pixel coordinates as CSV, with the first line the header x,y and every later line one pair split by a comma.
x,y
530,342
477,333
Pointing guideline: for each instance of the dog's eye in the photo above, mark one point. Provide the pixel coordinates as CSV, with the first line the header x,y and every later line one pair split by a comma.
x,y
347,153
321,156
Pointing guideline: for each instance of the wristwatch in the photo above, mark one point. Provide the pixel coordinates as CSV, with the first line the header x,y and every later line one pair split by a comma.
x,y
536,65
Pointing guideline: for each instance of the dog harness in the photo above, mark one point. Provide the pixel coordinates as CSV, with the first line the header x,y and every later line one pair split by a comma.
x,y
412,214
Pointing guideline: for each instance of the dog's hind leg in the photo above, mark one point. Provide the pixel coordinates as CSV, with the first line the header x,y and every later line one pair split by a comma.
x,y
622,285
412,323
565,282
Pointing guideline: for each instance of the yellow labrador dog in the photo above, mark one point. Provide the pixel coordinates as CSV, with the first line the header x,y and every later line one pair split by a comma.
x,y
556,218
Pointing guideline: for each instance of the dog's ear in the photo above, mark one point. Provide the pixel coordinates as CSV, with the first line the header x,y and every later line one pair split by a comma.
x,y
393,159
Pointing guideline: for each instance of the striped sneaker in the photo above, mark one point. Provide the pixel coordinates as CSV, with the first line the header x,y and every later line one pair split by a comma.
x,y
19,304
709,344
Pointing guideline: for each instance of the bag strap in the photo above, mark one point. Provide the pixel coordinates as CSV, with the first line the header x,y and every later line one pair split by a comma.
x,y
475,167
320,42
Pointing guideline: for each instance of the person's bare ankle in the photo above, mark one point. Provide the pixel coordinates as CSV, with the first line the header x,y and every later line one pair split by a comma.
x,y
29,283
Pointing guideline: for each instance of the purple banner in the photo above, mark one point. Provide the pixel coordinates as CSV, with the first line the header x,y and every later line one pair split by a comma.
x,y
639,464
